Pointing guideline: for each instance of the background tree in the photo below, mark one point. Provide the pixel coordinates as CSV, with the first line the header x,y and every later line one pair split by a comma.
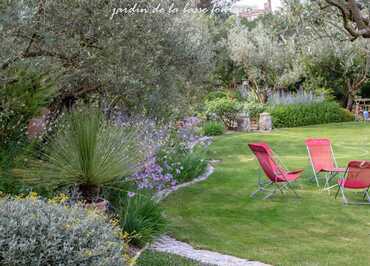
x,y
344,66
355,15
270,61
143,61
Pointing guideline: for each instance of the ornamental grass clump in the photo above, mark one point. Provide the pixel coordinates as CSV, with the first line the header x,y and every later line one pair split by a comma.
x,y
142,218
89,152
34,232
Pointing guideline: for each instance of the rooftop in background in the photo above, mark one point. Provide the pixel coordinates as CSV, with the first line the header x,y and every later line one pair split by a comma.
x,y
253,8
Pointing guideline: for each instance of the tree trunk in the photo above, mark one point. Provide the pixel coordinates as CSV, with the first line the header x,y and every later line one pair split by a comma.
x,y
351,95
350,102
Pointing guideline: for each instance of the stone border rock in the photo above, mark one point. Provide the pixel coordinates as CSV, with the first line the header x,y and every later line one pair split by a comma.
x,y
170,245
161,195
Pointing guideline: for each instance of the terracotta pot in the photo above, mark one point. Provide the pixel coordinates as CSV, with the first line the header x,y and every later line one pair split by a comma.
x,y
100,204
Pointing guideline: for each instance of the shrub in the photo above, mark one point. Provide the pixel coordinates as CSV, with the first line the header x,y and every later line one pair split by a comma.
x,y
184,165
300,97
224,109
295,115
34,232
190,166
142,218
88,151
152,177
20,101
216,95
213,128
253,109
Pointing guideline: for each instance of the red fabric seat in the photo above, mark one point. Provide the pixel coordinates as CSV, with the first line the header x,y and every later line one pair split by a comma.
x,y
353,184
274,172
357,177
322,158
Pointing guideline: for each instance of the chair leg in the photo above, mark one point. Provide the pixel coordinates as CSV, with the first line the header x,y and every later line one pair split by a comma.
x,y
316,179
270,194
292,189
345,201
326,180
336,194
366,195
261,187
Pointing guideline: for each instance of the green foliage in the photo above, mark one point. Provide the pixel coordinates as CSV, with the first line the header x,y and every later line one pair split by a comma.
x,y
183,164
296,115
225,109
20,100
269,60
216,95
152,258
142,218
88,150
34,232
191,165
253,109
165,58
213,128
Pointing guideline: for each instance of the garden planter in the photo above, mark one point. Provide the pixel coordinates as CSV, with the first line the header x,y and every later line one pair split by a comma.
x,y
90,194
265,123
244,123
100,204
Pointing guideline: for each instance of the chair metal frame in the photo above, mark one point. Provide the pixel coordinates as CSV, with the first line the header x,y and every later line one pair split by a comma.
x,y
282,187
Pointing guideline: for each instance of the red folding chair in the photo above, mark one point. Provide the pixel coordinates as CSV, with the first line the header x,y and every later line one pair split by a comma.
x,y
278,176
322,159
357,177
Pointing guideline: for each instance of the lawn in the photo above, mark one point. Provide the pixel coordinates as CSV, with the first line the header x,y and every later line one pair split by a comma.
x,y
219,215
152,258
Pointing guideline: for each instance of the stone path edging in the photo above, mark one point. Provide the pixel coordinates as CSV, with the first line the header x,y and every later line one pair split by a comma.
x,y
161,195
170,245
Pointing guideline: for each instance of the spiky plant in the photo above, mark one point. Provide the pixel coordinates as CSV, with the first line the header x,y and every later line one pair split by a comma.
x,y
88,151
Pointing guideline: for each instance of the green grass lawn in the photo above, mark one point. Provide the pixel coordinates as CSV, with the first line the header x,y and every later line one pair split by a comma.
x,y
219,215
152,258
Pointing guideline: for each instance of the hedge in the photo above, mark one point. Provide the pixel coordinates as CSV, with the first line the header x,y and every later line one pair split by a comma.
x,y
296,115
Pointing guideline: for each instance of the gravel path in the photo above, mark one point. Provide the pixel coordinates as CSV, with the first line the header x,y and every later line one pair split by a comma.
x,y
170,245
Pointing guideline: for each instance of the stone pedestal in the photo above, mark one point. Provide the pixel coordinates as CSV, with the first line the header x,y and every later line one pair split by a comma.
x,y
244,123
265,122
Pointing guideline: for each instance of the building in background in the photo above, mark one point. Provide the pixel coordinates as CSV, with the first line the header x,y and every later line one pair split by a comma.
x,y
252,9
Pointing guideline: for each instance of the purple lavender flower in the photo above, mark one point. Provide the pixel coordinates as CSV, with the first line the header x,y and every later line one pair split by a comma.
x,y
131,194
152,177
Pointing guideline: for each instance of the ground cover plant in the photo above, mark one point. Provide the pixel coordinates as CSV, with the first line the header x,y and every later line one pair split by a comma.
x,y
36,232
315,230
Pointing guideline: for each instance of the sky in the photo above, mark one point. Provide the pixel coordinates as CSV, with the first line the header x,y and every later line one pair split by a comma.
x,y
258,3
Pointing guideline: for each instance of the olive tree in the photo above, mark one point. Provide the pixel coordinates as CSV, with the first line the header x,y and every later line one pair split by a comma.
x,y
355,16
270,60
341,64
152,59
